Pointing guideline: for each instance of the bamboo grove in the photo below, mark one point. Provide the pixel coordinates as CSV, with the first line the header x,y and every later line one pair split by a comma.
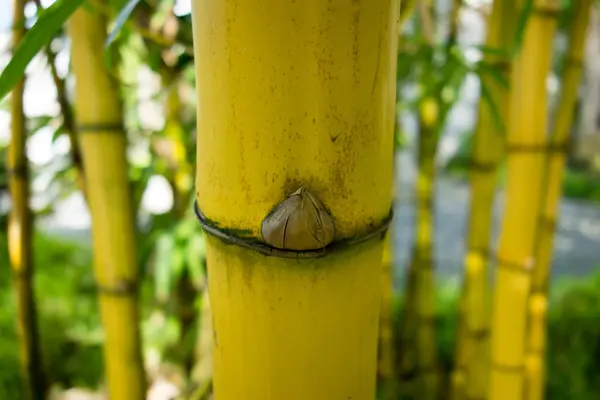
x,y
278,257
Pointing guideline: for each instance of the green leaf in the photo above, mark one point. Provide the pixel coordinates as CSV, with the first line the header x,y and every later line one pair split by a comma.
x,y
196,257
486,96
120,21
165,245
59,131
34,124
178,259
40,34
524,15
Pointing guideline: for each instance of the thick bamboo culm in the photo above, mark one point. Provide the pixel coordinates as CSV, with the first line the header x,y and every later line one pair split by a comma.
x,y
103,145
470,376
20,234
554,170
526,143
294,94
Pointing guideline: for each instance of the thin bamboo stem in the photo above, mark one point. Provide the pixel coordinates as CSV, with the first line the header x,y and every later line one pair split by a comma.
x,y
526,141
418,369
20,235
103,146
471,372
548,211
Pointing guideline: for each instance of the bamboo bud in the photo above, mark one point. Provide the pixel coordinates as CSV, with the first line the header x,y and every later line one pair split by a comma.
x,y
300,222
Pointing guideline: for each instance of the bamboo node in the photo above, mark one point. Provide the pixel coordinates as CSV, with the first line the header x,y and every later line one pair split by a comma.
x,y
507,368
539,148
243,238
21,273
482,167
122,287
573,62
525,267
101,127
20,171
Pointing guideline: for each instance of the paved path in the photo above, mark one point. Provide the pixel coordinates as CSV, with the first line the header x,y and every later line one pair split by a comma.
x,y
577,247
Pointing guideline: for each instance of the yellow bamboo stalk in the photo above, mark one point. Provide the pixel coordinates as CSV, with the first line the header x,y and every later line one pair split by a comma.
x,y
182,180
424,297
418,369
386,355
548,212
295,94
526,140
470,376
20,232
103,144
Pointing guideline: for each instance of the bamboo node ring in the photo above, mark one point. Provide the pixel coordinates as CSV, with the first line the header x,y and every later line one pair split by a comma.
x,y
298,227
120,288
101,127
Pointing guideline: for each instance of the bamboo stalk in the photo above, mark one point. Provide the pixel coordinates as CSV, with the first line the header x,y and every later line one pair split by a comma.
x,y
103,145
424,306
548,212
418,370
418,361
294,95
526,141
20,235
387,353
470,376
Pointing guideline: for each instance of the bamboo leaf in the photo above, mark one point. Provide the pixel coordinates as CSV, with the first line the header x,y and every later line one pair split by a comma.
x,y
40,34
59,131
196,255
120,21
36,123
486,96
524,15
484,68
165,246
178,259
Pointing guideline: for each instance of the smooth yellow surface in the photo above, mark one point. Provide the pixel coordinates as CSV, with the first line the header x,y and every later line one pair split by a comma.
x,y
20,230
387,355
294,330
295,93
472,361
526,127
555,162
110,203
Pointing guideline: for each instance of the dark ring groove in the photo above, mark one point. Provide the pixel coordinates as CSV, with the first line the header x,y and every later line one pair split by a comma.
x,y
508,369
120,289
18,171
539,148
255,244
112,127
